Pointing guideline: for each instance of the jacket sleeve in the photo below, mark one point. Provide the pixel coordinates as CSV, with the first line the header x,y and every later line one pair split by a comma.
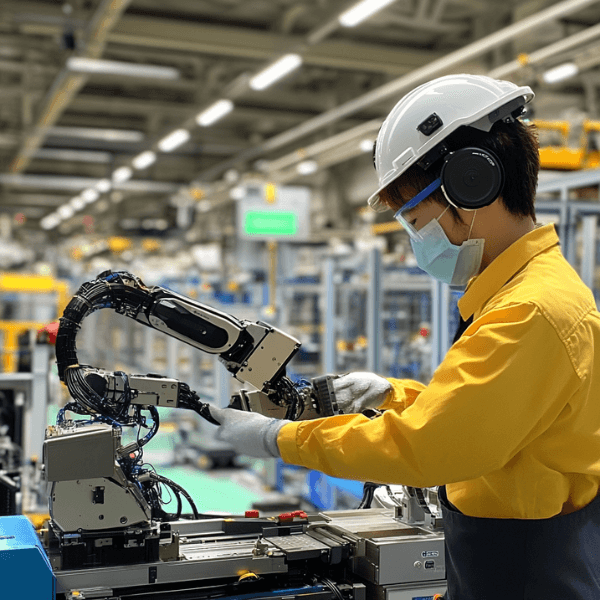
x,y
404,392
499,387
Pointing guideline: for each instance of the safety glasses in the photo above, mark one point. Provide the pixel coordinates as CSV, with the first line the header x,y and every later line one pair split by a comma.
x,y
406,216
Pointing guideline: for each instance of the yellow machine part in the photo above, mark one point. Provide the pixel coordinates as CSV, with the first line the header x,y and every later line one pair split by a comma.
x,y
564,157
560,157
37,519
21,283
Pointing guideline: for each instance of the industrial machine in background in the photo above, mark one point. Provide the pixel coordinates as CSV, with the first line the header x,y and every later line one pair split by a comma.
x,y
27,303
110,536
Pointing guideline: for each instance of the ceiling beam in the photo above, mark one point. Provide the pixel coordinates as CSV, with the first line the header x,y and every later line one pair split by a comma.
x,y
115,106
28,199
68,84
77,184
238,42
396,87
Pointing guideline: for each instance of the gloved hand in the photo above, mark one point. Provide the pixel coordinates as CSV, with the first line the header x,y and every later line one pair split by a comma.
x,y
248,433
356,392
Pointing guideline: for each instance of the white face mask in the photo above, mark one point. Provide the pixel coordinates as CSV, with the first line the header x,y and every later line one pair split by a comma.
x,y
439,257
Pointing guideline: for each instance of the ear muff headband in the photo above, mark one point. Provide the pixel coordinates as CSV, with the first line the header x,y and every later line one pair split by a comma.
x,y
472,178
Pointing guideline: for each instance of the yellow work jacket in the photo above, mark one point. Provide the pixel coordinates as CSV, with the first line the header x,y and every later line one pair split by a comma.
x,y
510,420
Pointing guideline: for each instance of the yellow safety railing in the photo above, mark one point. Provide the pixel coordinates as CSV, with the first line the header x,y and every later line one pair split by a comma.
x,y
18,283
564,157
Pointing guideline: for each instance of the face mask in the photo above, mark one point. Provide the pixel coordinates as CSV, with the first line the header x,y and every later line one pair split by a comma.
x,y
443,260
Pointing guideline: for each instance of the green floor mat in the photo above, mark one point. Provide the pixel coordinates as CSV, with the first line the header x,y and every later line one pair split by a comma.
x,y
211,491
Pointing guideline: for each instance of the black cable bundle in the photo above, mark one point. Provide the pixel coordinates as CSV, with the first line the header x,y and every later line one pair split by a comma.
x,y
294,396
368,494
189,399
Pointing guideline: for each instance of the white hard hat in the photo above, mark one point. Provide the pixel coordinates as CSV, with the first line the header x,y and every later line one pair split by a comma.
x,y
431,112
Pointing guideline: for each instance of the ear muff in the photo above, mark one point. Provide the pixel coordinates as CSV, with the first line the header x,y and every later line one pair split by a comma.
x,y
472,178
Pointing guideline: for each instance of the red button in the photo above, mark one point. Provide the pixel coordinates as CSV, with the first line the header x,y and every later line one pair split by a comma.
x,y
251,514
286,517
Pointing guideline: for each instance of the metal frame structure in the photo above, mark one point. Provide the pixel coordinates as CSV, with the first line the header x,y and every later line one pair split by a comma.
x,y
569,212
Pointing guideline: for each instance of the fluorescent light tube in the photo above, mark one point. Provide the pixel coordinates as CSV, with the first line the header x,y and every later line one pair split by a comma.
x,y
560,73
122,174
143,160
77,203
96,133
361,11
50,221
215,112
103,185
366,145
90,195
307,167
238,192
66,212
286,64
174,140
112,67
73,155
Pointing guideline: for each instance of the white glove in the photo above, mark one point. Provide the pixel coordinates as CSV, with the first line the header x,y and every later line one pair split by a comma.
x,y
250,434
356,392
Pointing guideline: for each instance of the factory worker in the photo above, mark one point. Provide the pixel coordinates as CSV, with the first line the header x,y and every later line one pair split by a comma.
x,y
509,424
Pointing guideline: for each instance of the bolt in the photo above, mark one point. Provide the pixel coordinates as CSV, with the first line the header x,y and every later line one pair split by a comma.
x,y
418,564
123,520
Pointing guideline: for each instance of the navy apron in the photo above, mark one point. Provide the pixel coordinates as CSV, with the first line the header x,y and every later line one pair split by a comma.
x,y
522,559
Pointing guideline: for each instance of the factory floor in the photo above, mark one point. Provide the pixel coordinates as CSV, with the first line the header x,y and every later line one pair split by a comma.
x,y
222,491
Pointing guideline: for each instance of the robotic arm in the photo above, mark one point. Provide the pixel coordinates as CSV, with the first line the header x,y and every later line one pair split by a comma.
x,y
84,459
254,352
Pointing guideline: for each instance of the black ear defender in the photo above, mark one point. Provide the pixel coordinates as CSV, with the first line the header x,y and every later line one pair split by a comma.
x,y
472,178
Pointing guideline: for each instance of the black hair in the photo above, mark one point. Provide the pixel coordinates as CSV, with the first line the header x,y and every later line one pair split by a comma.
x,y
516,146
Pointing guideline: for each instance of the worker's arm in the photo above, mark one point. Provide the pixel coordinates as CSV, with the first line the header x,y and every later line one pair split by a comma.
x,y
404,393
499,387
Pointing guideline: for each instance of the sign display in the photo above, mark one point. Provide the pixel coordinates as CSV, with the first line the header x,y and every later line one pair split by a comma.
x,y
270,212
271,223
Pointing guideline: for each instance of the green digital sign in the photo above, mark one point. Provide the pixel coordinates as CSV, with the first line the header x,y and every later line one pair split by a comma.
x,y
259,222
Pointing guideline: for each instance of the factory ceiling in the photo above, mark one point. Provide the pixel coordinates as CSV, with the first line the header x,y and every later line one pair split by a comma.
x,y
63,130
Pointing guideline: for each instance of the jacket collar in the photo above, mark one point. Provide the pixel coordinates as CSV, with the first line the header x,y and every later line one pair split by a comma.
x,y
503,268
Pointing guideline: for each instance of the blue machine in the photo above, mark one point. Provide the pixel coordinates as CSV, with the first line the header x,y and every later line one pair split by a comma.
x,y
25,570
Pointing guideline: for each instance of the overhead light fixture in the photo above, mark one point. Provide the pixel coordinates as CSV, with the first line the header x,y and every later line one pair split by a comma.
x,y
65,212
96,133
366,145
307,167
214,112
238,192
79,64
174,140
286,64
143,160
77,203
561,72
90,156
122,174
50,221
103,185
361,11
90,195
